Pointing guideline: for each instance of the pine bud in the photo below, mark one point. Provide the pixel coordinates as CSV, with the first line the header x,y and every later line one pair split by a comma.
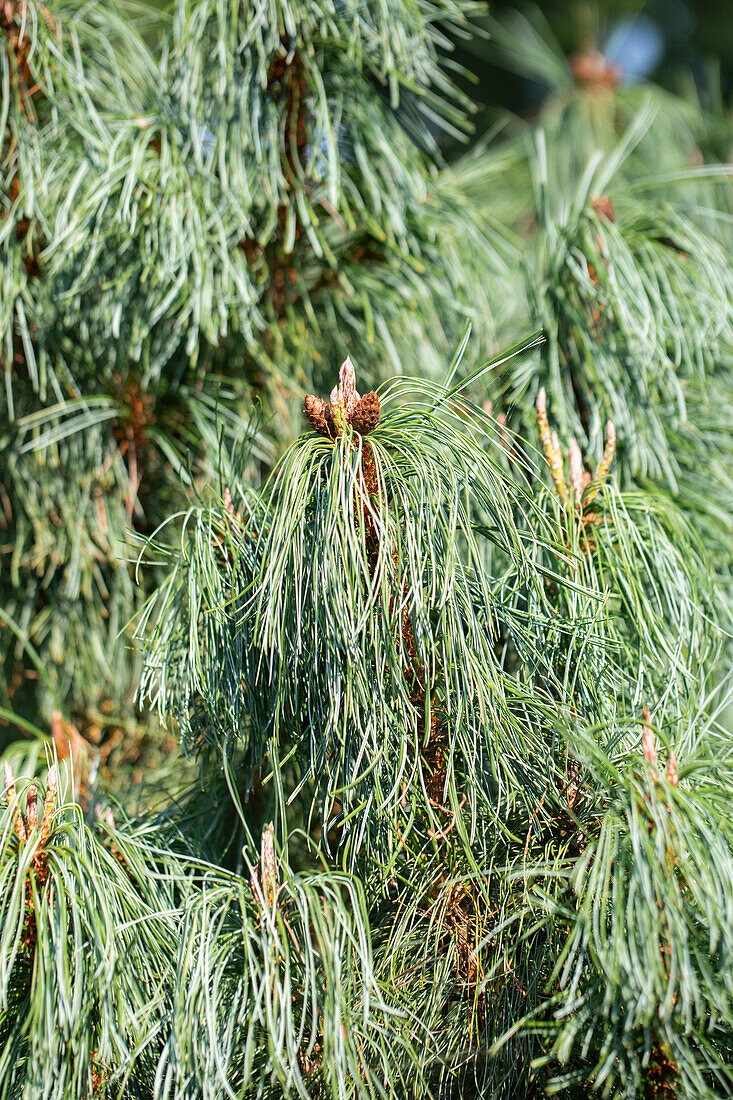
x,y
49,804
345,407
551,446
338,409
590,70
366,414
672,775
603,207
318,415
556,468
608,452
31,808
315,412
268,864
649,741
604,465
576,472
347,387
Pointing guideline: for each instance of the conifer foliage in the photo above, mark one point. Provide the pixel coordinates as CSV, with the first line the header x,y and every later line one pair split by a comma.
x,y
185,229
453,663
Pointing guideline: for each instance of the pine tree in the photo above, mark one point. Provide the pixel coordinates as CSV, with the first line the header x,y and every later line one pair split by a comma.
x,y
451,665
617,232
188,227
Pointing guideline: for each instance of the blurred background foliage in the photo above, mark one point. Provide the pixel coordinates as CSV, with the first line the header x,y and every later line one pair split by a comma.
x,y
677,44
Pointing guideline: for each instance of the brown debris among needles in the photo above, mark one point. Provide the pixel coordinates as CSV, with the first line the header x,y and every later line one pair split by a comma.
x,y
287,87
287,76
572,782
661,1076
99,1075
460,922
136,416
310,1063
14,24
